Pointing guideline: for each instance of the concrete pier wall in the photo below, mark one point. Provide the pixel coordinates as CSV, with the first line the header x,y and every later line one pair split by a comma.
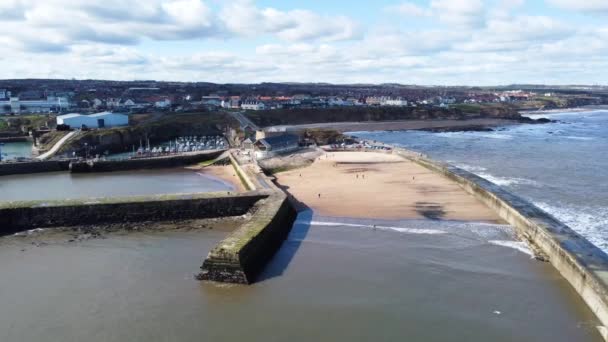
x,y
144,163
243,255
21,216
580,262
19,168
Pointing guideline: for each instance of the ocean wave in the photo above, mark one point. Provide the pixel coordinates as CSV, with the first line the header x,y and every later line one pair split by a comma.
x,y
469,168
578,138
506,181
518,245
495,136
589,221
379,227
502,181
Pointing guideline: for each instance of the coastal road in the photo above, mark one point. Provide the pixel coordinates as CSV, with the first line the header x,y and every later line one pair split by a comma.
x,y
243,120
57,146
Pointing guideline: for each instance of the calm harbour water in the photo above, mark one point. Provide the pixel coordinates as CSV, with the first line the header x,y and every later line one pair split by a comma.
x,y
16,150
64,185
561,167
333,280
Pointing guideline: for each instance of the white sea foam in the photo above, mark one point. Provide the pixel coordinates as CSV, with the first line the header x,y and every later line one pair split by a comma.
x,y
30,232
397,229
506,181
502,181
589,221
495,136
469,168
578,138
518,245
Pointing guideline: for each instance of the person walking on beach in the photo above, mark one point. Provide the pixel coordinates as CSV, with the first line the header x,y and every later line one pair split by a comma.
x,y
319,195
357,176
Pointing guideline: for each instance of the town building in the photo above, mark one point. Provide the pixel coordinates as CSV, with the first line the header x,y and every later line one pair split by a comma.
x,y
253,105
16,105
269,147
99,120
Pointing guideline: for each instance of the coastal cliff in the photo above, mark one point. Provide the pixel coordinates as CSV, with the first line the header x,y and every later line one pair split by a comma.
x,y
368,114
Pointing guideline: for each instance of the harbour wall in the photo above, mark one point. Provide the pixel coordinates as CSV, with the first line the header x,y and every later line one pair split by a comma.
x,y
143,163
21,216
580,262
19,168
243,254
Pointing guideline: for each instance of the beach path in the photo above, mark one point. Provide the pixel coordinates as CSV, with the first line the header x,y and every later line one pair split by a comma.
x,y
380,185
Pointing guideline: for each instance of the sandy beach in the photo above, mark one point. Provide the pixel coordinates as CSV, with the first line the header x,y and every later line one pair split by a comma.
x,y
226,173
379,185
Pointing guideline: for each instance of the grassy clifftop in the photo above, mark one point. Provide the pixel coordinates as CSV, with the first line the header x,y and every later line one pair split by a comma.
x,y
363,114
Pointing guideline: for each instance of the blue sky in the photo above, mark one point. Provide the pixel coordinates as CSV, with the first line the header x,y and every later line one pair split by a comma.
x,y
430,42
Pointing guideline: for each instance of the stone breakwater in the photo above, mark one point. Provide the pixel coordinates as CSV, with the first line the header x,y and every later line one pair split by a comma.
x,y
21,168
241,256
580,262
143,163
21,216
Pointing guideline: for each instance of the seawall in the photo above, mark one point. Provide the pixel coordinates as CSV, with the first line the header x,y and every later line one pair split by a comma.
x,y
243,254
143,163
580,262
21,216
18,168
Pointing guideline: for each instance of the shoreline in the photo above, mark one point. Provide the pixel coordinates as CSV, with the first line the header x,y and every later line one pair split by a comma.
x,y
400,125
225,174
565,110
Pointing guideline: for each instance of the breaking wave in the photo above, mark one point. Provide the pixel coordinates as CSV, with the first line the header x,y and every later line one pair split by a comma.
x,y
589,221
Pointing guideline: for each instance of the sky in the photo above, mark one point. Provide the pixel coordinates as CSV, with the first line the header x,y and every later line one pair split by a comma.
x,y
426,42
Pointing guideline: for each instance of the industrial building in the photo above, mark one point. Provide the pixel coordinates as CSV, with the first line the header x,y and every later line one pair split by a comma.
x,y
15,105
99,120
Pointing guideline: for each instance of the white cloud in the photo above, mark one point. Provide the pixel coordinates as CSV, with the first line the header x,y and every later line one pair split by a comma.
x,y
466,41
464,13
598,6
409,9
243,17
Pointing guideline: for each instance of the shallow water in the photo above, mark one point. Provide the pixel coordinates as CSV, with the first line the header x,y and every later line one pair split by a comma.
x,y
64,185
561,167
16,150
335,280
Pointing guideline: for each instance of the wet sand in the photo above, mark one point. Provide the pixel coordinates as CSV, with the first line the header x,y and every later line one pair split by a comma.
x,y
227,174
379,185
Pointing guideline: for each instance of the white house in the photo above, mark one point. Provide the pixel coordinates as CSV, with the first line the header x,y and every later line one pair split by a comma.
x,y
253,105
99,120
165,103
